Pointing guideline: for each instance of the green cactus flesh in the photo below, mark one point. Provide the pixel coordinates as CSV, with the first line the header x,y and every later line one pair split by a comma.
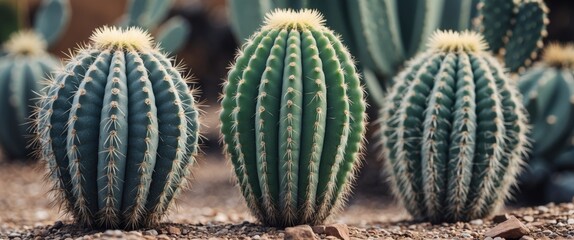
x,y
21,72
293,120
453,132
118,127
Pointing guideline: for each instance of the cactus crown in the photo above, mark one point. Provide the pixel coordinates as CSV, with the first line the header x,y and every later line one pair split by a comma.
x,y
293,19
559,55
129,38
26,43
451,41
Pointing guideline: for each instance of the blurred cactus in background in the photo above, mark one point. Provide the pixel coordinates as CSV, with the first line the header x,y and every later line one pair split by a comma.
x,y
383,34
453,131
548,90
514,29
24,63
22,68
293,120
118,127
171,35
52,19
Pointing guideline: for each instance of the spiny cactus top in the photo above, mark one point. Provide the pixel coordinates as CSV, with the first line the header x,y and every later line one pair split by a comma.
x,y
548,90
118,127
293,119
453,131
24,65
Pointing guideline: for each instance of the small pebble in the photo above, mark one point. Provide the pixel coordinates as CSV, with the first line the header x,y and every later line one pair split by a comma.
x,y
174,230
476,222
543,209
58,225
552,221
547,232
528,218
151,232
570,221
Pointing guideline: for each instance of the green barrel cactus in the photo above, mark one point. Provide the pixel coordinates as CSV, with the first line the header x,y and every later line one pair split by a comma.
x,y
118,127
453,131
23,67
548,90
293,120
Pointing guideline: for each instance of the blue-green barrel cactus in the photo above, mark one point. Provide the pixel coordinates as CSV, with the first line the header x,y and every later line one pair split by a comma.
x,y
548,90
454,131
293,120
548,94
118,127
22,69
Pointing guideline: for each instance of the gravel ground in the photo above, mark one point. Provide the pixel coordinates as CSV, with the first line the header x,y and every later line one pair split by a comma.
x,y
213,208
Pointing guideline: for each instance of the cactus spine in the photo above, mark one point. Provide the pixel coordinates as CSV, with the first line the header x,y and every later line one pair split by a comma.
x,y
293,120
118,127
453,131
21,70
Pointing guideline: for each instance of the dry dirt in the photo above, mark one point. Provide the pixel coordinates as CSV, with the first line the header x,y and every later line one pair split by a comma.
x,y
213,208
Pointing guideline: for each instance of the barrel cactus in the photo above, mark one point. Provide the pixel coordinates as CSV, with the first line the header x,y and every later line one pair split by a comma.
x,y
118,127
548,90
22,69
453,131
293,120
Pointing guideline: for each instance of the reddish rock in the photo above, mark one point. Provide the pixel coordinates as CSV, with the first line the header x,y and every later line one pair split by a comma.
x,y
301,232
511,228
500,218
174,230
340,231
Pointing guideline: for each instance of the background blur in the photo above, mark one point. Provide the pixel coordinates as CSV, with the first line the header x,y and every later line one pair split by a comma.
x,y
211,47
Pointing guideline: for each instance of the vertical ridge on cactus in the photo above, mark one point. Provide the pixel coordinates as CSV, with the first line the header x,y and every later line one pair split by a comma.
x,y
293,120
23,68
118,127
453,131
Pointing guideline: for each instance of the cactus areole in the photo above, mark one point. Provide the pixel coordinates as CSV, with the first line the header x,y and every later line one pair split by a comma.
x,y
118,128
453,131
293,120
